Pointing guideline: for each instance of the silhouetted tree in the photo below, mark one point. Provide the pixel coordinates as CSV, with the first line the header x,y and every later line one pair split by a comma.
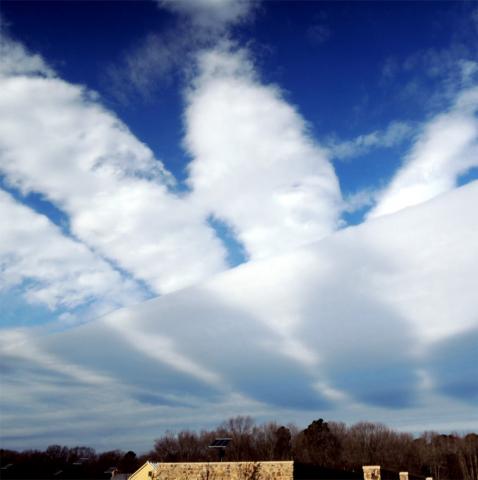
x,y
282,444
128,463
318,445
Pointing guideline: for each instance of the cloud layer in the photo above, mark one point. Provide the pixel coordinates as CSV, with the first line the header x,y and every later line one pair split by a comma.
x,y
354,326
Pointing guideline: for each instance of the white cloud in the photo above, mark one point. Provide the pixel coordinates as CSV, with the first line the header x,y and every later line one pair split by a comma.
x,y
394,134
255,166
57,139
212,14
58,271
446,148
401,288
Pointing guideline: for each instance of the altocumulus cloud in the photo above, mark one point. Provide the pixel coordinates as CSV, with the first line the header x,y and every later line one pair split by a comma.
x,y
350,324
268,180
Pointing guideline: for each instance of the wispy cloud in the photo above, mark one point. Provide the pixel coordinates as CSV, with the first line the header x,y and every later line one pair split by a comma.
x,y
212,14
166,57
318,33
145,68
394,134
433,76
156,62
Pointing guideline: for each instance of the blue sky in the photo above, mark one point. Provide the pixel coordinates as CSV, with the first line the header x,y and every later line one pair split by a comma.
x,y
150,147
350,68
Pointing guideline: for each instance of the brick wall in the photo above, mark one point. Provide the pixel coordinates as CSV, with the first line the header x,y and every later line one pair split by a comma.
x,y
225,471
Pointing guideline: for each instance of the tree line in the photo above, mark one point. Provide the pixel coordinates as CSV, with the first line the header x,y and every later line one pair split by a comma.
x,y
331,445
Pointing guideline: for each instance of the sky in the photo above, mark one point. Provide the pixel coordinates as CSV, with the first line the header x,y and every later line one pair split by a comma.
x,y
217,207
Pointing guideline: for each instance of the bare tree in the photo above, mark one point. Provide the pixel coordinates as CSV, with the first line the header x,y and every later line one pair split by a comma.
x,y
468,456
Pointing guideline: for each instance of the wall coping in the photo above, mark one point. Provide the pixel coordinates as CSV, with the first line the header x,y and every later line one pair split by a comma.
x,y
226,463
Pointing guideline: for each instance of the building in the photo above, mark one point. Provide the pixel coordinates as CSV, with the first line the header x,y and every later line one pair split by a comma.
x,y
144,472
271,470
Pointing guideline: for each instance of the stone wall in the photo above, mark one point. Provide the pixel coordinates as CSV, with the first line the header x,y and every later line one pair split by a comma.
x,y
225,471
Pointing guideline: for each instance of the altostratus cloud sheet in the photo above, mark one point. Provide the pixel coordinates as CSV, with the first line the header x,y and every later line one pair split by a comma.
x,y
371,319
